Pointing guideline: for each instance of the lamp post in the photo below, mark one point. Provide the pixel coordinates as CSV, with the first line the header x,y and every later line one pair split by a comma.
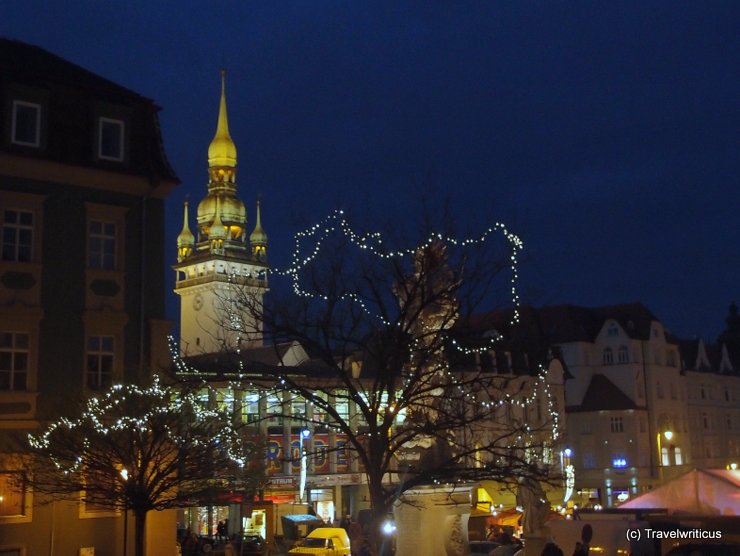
x,y
124,476
668,435
304,434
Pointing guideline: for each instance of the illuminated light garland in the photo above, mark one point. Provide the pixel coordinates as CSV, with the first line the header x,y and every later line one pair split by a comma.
x,y
373,243
97,407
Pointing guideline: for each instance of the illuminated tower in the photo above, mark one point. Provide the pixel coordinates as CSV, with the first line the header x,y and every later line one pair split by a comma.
x,y
220,266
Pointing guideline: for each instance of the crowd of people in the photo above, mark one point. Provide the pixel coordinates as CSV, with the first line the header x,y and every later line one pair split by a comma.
x,y
509,545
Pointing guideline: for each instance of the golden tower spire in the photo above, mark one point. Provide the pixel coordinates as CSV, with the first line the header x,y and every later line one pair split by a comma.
x,y
222,150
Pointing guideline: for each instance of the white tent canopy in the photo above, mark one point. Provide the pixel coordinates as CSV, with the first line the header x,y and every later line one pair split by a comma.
x,y
698,492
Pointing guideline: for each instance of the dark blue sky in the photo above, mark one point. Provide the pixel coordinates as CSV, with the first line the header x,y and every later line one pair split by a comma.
x,y
606,134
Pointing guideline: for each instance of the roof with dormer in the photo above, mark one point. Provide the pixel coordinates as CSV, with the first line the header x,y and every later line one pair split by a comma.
x,y
72,94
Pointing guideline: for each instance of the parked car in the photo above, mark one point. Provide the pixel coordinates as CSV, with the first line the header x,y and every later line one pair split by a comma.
x,y
324,541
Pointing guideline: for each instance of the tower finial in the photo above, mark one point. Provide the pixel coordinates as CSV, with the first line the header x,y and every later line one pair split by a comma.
x,y
222,151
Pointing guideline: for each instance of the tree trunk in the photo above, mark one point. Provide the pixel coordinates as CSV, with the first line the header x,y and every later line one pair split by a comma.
x,y
382,543
140,516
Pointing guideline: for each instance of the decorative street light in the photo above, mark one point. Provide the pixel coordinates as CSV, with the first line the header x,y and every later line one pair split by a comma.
x,y
305,434
124,476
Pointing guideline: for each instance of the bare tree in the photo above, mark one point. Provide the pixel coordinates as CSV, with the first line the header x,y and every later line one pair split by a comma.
x,y
142,449
380,330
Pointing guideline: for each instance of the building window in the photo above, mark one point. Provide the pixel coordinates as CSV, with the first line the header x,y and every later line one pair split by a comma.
x,y
664,457
623,355
102,245
251,406
274,409
671,358
100,354
26,129
677,455
672,388
608,356
13,361
17,235
613,329
705,421
110,139
616,424
341,405
13,494
225,400
589,461
659,389
298,408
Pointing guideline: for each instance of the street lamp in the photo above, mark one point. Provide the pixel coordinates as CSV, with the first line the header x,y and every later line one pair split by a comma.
x,y
124,476
305,434
668,435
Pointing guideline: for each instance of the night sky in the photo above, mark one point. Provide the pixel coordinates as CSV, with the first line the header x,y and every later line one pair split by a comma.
x,y
606,134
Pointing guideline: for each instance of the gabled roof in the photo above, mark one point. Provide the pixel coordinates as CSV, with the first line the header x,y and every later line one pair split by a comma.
x,y
603,395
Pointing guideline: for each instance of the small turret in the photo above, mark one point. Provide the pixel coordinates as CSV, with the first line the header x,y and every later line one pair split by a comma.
x,y
258,238
186,239
217,232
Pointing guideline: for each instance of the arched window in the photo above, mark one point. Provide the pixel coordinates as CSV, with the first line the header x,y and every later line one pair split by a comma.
x,y
608,356
623,355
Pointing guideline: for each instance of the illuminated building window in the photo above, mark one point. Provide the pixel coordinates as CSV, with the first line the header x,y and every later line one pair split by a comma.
x,y
251,406
102,245
26,130
616,424
13,361
298,407
274,409
17,235
13,494
341,404
110,139
100,355
677,455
